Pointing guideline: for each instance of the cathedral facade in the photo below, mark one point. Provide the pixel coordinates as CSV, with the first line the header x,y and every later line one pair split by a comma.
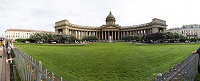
x,y
110,29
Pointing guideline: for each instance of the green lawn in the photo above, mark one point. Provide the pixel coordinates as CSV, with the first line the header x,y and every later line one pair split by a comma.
x,y
109,61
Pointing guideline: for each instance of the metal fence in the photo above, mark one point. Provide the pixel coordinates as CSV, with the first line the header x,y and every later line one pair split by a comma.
x,y
184,71
28,69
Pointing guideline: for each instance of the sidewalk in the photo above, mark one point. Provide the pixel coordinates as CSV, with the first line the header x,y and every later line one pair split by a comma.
x,y
2,67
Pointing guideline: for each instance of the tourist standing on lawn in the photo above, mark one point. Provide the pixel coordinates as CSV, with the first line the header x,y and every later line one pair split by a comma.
x,y
197,52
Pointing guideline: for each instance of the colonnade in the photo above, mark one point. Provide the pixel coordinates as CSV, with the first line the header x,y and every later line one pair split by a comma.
x,y
104,34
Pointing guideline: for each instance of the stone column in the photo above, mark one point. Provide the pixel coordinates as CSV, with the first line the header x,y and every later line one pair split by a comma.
x,y
127,32
137,33
65,31
121,34
155,30
140,33
105,35
56,30
102,35
118,35
81,34
108,34
124,34
146,31
115,35
76,34
95,33
112,35
99,35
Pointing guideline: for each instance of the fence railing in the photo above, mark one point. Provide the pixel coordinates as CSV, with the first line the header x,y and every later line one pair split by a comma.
x,y
184,71
28,69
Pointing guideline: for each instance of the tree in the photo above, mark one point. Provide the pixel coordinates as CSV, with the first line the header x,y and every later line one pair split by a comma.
x,y
37,37
173,35
155,36
168,35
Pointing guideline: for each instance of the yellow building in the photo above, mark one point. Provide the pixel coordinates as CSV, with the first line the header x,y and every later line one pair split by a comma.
x,y
110,29
189,31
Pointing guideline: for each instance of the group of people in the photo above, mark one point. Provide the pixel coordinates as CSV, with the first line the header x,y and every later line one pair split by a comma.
x,y
2,44
10,47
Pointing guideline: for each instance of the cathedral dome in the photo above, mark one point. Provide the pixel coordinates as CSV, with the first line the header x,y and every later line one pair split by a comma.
x,y
110,15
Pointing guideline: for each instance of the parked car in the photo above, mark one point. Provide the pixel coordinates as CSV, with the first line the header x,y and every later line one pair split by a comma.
x,y
53,42
39,42
187,41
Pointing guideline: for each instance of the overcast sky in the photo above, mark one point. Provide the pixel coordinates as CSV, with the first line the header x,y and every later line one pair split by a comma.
x,y
42,14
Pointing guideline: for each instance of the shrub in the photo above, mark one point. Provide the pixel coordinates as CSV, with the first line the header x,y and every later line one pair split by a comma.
x,y
23,40
193,40
182,40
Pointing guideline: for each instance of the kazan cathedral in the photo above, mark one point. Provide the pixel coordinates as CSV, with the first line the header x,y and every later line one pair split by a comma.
x,y
110,29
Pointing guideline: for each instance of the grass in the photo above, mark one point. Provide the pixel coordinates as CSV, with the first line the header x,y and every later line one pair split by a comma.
x,y
109,61
197,78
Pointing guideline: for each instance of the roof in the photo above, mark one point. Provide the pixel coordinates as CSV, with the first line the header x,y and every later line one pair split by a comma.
x,y
29,30
110,15
191,26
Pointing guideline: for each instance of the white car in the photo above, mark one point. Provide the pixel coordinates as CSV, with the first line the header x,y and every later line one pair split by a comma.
x,y
39,42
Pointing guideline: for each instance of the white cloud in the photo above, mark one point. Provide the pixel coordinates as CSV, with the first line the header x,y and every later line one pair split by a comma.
x,y
42,14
